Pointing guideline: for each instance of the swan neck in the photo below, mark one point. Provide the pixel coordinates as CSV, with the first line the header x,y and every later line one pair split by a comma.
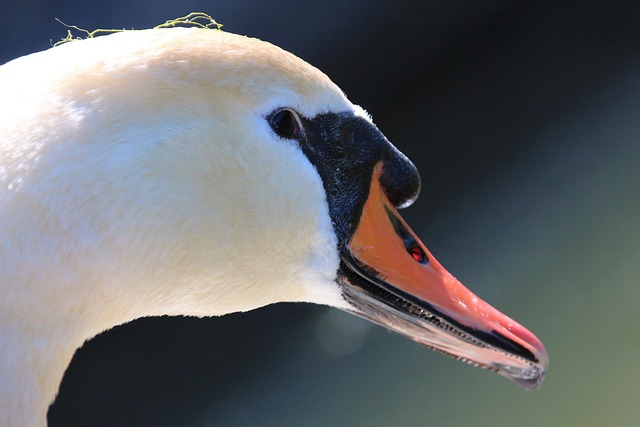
x,y
32,370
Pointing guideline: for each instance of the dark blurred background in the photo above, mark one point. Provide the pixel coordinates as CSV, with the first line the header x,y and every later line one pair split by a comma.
x,y
524,120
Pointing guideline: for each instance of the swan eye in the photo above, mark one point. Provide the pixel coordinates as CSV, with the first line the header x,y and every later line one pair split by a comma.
x,y
285,123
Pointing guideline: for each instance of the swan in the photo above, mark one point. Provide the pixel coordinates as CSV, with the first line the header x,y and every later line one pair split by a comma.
x,y
196,172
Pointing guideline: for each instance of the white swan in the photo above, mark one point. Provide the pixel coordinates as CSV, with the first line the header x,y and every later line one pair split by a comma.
x,y
197,172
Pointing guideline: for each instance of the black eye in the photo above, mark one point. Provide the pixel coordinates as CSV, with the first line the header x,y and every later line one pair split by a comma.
x,y
285,123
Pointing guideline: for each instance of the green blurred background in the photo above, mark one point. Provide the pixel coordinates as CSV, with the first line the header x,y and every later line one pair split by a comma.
x,y
524,120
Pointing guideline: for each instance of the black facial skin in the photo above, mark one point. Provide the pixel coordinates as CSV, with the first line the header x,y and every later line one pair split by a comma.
x,y
345,148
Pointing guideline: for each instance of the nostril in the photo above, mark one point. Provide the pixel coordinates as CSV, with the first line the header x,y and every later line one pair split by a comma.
x,y
400,179
410,243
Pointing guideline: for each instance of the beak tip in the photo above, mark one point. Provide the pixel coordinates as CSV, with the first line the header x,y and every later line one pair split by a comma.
x,y
529,377
538,356
540,365
532,383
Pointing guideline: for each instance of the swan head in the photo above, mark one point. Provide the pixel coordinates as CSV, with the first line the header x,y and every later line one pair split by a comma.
x,y
197,172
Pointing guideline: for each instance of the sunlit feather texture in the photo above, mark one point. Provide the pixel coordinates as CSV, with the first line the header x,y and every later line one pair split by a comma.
x,y
138,176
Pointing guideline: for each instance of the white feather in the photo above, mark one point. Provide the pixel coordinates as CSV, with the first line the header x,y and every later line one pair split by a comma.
x,y
138,177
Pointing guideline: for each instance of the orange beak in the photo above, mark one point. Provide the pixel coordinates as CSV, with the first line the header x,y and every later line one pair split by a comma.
x,y
390,278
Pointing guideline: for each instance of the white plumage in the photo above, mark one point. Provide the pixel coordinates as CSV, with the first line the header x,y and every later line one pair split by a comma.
x,y
139,178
